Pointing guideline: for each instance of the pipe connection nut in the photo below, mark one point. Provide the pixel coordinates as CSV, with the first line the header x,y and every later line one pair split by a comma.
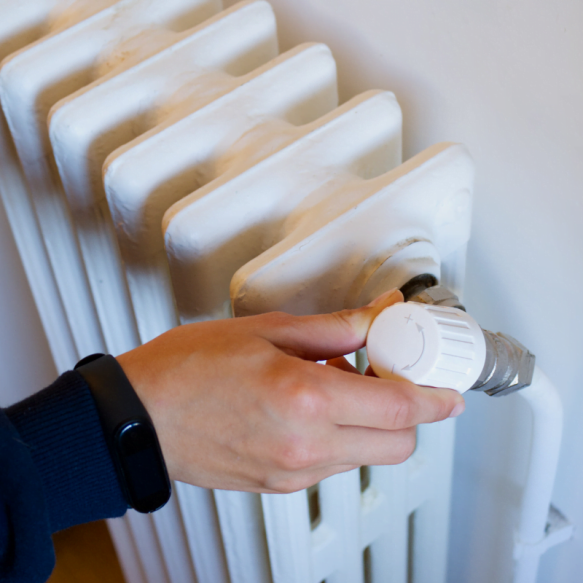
x,y
509,366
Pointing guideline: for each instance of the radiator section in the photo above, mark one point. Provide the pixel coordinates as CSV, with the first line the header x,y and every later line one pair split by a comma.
x,y
143,179
91,123
34,79
20,25
335,258
250,213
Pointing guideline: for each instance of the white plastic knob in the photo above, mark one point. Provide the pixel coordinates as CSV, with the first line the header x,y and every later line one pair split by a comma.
x,y
429,345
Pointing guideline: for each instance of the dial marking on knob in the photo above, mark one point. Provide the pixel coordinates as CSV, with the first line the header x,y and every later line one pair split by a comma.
x,y
435,347
421,330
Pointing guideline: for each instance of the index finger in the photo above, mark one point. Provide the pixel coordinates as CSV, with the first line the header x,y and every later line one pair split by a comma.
x,y
326,336
366,401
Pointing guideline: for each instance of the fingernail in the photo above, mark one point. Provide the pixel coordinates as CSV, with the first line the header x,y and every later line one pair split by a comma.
x,y
458,410
384,297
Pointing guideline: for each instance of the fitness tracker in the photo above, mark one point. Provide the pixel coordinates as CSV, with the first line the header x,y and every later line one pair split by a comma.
x,y
129,433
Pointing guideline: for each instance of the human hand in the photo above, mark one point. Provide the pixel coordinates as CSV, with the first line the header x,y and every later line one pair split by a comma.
x,y
242,404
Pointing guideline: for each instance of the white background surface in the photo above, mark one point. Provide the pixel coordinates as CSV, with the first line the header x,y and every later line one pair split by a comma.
x,y
506,79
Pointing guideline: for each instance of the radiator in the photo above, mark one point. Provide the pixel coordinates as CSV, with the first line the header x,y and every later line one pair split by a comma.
x,y
162,163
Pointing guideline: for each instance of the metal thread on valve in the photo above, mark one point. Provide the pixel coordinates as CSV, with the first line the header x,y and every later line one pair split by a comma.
x,y
508,368
418,285
424,289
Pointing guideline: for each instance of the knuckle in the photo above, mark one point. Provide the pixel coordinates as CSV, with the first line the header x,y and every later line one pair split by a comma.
x,y
303,401
306,403
294,456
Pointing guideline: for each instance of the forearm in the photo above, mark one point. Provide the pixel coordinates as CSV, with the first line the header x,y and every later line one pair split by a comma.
x,y
56,472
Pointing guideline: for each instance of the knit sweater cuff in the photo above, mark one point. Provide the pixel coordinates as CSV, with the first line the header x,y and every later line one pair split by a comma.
x,y
61,429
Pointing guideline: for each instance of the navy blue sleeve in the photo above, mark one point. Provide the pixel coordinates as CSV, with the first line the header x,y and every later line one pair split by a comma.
x,y
55,472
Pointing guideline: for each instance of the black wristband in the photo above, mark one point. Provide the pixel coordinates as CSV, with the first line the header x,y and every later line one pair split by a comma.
x,y
129,433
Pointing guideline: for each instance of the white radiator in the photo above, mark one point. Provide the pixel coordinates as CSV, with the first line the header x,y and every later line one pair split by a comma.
x,y
160,162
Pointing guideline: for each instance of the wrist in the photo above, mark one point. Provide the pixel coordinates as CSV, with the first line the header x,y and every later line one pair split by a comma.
x,y
129,432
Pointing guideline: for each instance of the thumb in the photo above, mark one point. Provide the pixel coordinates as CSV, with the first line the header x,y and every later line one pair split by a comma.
x,y
327,336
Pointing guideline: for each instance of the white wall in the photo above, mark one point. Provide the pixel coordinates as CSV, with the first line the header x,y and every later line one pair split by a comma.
x,y
506,79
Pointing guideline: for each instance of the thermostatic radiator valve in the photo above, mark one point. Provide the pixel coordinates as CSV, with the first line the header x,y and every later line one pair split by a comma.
x,y
430,342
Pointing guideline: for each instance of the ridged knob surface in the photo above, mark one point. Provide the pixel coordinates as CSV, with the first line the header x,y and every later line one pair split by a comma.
x,y
434,346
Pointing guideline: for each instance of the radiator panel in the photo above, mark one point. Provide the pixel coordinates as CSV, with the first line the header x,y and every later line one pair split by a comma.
x,y
426,199
251,212
20,25
34,79
146,177
89,124
242,528
24,23
287,526
204,533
